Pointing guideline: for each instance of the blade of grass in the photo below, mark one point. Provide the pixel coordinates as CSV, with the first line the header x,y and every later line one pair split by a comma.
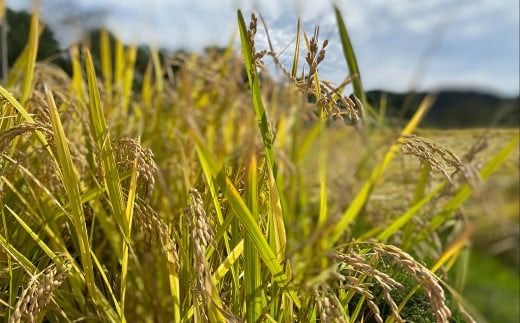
x,y
227,264
350,57
17,256
207,171
57,241
247,219
296,56
17,70
277,236
119,65
258,104
106,61
146,88
308,141
461,270
34,35
98,298
322,219
128,77
70,181
11,295
221,271
158,71
104,145
403,219
173,280
129,212
77,74
277,230
108,286
361,198
22,111
252,270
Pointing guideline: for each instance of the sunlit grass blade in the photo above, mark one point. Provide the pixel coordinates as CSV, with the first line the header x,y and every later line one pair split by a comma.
x,y
129,212
208,171
363,195
296,56
77,74
453,249
420,189
106,61
41,244
119,65
158,71
70,181
107,283
276,235
268,256
276,192
146,88
308,141
34,35
252,270
23,112
221,271
104,145
254,84
227,264
461,269
173,280
16,255
322,218
253,230
17,71
128,77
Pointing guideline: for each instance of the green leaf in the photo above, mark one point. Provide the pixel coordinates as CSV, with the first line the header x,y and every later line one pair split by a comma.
x,y
30,63
71,183
350,57
252,270
242,212
129,212
104,145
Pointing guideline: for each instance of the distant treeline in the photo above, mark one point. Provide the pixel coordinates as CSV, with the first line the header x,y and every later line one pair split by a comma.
x,y
18,23
452,109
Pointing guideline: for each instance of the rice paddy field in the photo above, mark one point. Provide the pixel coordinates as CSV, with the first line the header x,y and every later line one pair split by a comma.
x,y
205,191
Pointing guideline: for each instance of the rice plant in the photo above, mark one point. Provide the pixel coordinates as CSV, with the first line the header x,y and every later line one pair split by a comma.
x,y
207,194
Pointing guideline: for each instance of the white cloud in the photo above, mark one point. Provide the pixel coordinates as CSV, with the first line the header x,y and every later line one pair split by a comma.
x,y
389,36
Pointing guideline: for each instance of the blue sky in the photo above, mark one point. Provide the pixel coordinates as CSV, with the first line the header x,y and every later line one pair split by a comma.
x,y
400,44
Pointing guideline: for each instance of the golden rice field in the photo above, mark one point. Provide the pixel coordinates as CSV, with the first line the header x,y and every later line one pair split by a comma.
x,y
211,193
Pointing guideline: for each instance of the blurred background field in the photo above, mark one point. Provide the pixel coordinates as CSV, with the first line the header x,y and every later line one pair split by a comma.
x,y
493,283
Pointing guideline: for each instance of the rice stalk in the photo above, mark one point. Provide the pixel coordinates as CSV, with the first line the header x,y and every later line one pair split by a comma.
x,y
35,297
